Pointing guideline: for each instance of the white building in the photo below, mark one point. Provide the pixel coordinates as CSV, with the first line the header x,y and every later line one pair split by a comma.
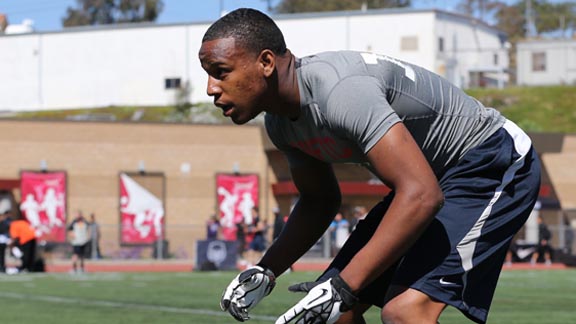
x,y
27,26
546,62
145,64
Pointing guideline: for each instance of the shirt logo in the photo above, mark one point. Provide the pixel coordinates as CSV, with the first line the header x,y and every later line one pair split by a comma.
x,y
323,148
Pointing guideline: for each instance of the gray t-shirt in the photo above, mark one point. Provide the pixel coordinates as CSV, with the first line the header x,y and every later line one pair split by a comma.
x,y
349,100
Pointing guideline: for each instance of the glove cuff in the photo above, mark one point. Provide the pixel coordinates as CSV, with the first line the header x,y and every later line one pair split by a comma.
x,y
267,271
270,275
345,292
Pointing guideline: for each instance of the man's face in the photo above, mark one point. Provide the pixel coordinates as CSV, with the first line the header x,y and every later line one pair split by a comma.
x,y
235,79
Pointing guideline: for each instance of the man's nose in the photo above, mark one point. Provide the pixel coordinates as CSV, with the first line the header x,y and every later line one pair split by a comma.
x,y
213,87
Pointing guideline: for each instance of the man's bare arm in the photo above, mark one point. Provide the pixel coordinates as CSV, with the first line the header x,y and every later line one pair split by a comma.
x,y
399,162
318,203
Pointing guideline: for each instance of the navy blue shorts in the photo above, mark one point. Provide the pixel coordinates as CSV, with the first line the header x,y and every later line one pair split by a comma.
x,y
489,195
79,250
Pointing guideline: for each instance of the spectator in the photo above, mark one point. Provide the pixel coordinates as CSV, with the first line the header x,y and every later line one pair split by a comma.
x,y
359,213
79,237
544,249
4,239
279,222
340,230
23,238
241,238
94,244
212,228
258,244
568,235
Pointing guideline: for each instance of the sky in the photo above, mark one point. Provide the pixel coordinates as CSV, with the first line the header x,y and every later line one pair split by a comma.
x,y
47,14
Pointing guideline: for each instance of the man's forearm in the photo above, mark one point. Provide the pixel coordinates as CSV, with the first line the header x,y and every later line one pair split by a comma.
x,y
306,224
402,225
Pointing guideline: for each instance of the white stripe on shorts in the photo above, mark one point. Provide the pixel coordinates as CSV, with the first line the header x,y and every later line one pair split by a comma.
x,y
522,144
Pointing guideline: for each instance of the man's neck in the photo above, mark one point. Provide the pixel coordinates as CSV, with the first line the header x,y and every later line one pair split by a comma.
x,y
288,91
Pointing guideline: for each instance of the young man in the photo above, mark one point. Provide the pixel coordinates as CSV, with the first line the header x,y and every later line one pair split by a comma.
x,y
23,237
463,178
79,237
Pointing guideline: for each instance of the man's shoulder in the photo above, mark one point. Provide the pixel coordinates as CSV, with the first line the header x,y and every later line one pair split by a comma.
x,y
329,61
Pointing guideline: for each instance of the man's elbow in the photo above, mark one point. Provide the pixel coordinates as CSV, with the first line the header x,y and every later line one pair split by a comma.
x,y
427,198
433,200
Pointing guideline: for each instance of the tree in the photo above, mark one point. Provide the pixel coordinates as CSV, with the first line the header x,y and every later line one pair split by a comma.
x,y
103,12
553,17
481,9
295,6
548,17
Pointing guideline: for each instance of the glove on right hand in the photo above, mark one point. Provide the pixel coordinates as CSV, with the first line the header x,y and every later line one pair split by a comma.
x,y
246,290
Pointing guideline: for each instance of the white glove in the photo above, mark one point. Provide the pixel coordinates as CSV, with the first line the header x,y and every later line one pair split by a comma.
x,y
246,290
325,302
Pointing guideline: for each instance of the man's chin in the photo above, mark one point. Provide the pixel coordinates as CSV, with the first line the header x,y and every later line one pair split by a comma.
x,y
239,121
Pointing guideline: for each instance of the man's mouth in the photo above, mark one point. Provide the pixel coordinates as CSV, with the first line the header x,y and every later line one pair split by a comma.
x,y
225,107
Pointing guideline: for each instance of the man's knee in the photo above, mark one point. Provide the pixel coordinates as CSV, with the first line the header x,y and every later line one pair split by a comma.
x,y
411,306
396,311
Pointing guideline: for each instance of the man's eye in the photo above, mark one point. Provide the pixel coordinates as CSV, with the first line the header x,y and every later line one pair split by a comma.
x,y
223,74
220,74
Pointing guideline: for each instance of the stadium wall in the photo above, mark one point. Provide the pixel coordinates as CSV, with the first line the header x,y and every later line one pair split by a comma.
x,y
93,154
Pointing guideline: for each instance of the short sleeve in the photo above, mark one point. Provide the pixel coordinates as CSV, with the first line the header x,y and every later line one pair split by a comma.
x,y
357,107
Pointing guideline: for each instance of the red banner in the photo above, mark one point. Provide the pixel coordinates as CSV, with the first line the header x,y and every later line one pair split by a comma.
x,y
237,195
43,203
141,213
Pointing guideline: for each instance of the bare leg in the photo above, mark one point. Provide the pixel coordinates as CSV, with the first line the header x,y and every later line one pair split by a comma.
x,y
406,305
74,262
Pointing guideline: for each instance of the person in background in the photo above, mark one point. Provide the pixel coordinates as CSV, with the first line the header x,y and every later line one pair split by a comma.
x,y
241,229
279,222
212,228
339,232
23,238
568,235
258,243
95,234
544,248
359,214
79,237
4,239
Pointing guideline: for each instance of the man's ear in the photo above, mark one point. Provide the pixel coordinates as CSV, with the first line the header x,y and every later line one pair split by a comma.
x,y
267,61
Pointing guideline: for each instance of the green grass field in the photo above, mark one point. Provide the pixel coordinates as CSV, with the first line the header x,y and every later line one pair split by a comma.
x,y
108,298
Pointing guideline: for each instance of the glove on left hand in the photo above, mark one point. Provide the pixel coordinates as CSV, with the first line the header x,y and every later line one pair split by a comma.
x,y
325,302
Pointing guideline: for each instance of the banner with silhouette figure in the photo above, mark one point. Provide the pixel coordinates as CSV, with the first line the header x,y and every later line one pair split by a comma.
x,y
236,196
43,203
142,215
216,255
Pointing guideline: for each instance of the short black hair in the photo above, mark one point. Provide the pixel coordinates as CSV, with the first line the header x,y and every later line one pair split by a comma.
x,y
253,30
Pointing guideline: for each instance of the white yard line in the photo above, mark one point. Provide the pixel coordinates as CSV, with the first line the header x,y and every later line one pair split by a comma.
x,y
102,303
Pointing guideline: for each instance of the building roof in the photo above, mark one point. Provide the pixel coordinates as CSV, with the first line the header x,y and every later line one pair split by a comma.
x,y
277,17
